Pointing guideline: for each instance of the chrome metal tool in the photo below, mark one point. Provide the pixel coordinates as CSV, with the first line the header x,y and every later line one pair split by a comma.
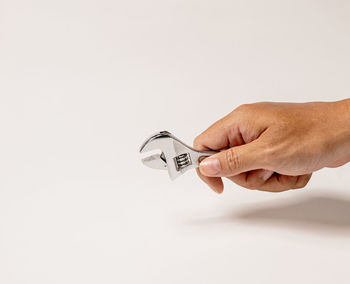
x,y
166,152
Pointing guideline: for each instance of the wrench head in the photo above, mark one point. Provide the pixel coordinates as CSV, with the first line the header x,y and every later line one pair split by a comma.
x,y
171,155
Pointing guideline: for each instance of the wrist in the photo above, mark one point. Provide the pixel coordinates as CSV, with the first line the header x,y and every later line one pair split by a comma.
x,y
347,124
347,110
340,131
343,113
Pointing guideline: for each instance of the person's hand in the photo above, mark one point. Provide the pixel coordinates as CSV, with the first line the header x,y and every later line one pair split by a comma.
x,y
275,146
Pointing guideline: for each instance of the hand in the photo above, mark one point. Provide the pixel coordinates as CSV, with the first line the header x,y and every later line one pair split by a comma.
x,y
275,146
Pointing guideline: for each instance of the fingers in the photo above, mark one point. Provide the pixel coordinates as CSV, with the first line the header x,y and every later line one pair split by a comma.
x,y
275,183
241,126
215,183
223,134
234,161
263,180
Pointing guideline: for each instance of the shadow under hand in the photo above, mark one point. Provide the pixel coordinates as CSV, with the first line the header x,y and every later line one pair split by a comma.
x,y
328,214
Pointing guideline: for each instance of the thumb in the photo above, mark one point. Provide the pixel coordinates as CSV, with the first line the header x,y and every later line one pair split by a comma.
x,y
233,161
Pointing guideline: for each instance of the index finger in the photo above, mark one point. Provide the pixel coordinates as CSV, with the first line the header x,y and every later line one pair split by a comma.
x,y
223,134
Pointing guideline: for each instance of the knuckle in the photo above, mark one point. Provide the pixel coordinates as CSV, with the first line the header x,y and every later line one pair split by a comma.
x,y
275,189
233,160
272,188
298,186
254,183
251,106
243,107
302,181
256,180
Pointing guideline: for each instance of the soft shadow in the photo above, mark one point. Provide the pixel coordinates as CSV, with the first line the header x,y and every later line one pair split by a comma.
x,y
315,212
326,213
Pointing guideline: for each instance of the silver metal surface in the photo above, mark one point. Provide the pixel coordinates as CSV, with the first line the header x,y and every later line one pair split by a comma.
x,y
173,155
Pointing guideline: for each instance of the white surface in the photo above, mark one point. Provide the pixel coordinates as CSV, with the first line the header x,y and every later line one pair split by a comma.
x,y
82,83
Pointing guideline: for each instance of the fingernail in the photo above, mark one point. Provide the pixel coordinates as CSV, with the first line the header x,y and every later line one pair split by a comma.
x,y
210,166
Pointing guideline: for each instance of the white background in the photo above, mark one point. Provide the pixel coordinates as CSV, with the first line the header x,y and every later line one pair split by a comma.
x,y
83,83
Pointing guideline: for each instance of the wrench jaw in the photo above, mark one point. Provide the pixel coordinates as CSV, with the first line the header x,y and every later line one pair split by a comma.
x,y
160,142
156,161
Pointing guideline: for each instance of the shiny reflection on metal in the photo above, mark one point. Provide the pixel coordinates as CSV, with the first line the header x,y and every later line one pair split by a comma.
x,y
175,156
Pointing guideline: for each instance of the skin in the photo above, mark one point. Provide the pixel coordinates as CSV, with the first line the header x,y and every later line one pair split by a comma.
x,y
275,146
